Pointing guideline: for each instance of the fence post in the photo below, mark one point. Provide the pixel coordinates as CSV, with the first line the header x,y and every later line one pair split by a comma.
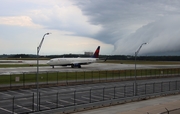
x,y
23,80
145,88
161,86
33,102
99,76
103,93
90,96
57,97
10,80
167,110
113,75
92,76
106,75
74,97
13,104
136,89
67,78
124,91
153,87
114,92
38,104
47,77
84,76
125,73
76,76
57,77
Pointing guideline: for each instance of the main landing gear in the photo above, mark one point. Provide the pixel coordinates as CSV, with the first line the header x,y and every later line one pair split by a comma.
x,y
72,66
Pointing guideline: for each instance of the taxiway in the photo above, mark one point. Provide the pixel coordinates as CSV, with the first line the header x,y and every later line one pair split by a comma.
x,y
91,67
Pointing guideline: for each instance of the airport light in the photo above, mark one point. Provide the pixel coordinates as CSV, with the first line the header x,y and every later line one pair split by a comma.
x,y
135,84
37,79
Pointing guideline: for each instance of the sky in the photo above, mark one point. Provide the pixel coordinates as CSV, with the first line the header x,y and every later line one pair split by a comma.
x,y
120,27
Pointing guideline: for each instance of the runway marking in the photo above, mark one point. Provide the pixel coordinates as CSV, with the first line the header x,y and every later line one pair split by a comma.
x,y
23,99
96,96
54,103
28,91
7,110
42,106
15,92
109,96
89,98
24,107
66,101
79,100
40,90
5,94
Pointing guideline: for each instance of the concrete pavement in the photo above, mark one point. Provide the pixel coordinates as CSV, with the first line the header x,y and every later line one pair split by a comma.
x,y
151,106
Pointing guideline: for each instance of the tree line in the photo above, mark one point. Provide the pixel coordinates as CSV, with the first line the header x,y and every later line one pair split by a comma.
x,y
102,57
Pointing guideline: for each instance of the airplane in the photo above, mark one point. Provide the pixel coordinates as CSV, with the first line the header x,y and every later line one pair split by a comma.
x,y
74,62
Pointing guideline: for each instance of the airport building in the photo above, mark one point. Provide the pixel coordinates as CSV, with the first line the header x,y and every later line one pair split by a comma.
x,y
88,53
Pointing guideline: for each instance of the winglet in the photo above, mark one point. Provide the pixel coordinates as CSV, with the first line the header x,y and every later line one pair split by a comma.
x,y
96,53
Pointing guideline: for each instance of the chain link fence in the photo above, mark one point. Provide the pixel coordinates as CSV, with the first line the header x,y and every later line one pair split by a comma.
x,y
69,101
26,80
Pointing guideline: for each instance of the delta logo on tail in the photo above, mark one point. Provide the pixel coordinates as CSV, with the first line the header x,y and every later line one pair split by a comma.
x,y
96,53
74,62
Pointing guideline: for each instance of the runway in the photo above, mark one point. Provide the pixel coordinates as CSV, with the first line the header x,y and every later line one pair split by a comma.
x,y
90,67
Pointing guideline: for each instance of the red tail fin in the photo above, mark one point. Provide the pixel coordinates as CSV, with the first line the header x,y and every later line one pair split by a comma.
x,y
96,53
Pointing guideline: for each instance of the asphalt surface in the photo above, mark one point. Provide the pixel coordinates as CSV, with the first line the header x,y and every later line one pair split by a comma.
x,y
24,100
151,106
91,67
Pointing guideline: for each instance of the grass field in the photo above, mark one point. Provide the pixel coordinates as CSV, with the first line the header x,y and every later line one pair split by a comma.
x,y
49,77
142,62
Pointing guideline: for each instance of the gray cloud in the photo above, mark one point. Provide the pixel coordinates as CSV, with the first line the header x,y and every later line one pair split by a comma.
x,y
124,23
128,23
162,37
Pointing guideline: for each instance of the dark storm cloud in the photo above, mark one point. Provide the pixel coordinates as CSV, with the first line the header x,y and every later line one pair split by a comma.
x,y
128,23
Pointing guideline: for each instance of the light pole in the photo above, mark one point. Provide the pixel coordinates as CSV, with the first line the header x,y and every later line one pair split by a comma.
x,y
37,79
136,53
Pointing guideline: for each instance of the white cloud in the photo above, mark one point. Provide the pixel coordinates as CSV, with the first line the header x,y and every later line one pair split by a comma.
x,y
25,40
24,21
24,25
69,18
77,23
72,44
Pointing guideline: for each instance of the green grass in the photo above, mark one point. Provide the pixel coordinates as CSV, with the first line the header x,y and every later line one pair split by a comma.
x,y
141,62
67,76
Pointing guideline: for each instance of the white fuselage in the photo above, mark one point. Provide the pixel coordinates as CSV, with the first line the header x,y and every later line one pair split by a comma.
x,y
71,61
